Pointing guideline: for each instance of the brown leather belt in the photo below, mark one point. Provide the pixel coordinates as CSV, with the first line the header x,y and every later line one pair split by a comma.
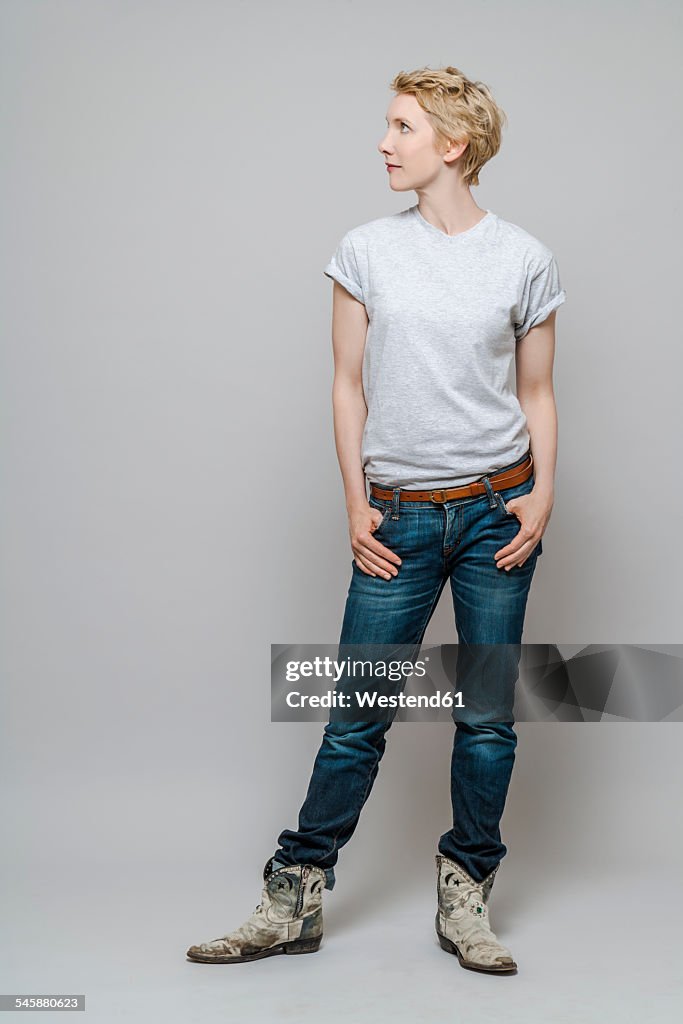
x,y
499,481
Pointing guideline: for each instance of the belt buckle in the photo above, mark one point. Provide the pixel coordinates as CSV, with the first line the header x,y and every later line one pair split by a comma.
x,y
441,491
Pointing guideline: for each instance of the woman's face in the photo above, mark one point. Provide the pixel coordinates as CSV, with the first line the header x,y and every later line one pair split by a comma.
x,y
410,146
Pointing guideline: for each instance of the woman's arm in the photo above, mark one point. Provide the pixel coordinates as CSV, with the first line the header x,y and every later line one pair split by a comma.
x,y
534,370
349,333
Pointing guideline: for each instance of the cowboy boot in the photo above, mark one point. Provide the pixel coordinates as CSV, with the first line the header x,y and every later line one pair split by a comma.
x,y
462,920
289,919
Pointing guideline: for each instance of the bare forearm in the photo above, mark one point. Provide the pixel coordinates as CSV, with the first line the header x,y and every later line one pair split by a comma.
x,y
350,413
541,417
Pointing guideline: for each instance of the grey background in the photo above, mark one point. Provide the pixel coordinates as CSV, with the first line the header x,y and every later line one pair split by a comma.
x,y
174,178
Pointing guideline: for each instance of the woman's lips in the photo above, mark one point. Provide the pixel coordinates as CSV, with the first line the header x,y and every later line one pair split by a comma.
x,y
393,167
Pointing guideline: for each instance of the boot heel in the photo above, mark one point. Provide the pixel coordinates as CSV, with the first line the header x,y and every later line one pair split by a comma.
x,y
303,945
446,944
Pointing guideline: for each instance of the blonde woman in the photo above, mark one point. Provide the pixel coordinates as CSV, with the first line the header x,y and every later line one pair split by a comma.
x,y
432,308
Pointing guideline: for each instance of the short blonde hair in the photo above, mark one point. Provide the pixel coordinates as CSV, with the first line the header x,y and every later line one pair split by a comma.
x,y
458,109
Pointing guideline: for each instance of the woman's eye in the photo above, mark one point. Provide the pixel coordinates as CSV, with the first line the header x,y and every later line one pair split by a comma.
x,y
404,125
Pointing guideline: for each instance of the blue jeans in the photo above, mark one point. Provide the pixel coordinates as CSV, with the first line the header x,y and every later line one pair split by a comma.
x,y
455,541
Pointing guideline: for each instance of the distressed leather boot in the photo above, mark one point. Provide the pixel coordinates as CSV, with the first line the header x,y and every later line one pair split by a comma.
x,y
289,919
462,920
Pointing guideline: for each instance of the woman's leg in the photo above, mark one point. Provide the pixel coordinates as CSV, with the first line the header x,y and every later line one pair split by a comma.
x,y
489,605
378,612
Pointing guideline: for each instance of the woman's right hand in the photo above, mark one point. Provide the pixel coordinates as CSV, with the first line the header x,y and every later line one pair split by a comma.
x,y
370,556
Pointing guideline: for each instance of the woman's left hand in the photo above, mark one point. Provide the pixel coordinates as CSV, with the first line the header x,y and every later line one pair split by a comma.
x,y
533,511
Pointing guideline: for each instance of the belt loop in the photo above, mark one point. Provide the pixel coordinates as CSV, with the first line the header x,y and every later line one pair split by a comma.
x,y
489,490
394,503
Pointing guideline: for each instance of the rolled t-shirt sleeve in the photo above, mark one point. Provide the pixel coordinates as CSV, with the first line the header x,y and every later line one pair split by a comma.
x,y
343,267
542,294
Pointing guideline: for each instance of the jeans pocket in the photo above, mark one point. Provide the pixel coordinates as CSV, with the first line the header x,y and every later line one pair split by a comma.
x,y
384,520
506,515
502,508
513,492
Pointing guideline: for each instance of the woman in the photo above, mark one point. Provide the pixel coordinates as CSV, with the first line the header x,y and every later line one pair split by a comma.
x,y
432,307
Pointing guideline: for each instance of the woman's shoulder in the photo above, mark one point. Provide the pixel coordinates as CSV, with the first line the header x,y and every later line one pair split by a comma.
x,y
522,242
378,228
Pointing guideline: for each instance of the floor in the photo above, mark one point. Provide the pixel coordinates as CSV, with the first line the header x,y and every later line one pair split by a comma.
x,y
587,948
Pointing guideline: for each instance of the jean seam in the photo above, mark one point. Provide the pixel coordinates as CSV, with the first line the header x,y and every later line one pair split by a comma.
x,y
335,837
429,613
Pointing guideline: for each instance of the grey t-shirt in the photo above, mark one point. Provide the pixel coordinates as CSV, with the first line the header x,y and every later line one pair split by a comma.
x,y
445,314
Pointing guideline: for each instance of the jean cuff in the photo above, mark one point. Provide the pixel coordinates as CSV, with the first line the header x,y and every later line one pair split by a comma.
x,y
330,879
